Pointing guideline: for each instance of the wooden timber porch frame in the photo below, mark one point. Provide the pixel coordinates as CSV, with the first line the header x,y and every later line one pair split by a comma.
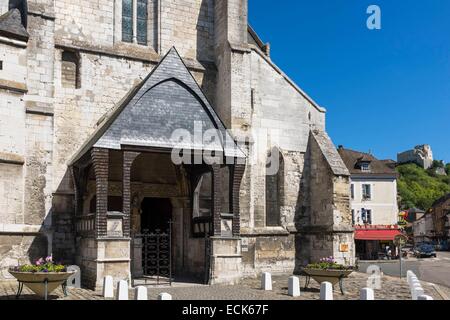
x,y
98,159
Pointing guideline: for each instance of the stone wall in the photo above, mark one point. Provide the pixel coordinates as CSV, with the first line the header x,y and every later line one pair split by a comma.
x,y
18,249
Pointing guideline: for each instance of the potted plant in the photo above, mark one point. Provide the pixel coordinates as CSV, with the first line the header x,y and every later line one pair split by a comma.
x,y
327,269
42,277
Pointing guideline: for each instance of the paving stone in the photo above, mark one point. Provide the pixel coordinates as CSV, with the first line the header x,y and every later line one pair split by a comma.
x,y
249,289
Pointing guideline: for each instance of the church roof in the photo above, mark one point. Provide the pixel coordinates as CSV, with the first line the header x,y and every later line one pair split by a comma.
x,y
11,25
169,100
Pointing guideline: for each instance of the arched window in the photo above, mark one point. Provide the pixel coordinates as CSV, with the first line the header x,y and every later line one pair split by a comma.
x,y
134,21
142,17
127,20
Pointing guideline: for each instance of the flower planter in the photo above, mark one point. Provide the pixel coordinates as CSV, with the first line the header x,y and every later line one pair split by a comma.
x,y
331,276
324,275
41,283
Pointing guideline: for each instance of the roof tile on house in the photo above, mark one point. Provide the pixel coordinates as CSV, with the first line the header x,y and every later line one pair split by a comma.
x,y
381,168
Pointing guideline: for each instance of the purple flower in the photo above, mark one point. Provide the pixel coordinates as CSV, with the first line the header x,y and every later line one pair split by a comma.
x,y
45,270
49,258
39,262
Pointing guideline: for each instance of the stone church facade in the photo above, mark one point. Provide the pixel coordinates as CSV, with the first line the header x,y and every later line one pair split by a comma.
x,y
90,92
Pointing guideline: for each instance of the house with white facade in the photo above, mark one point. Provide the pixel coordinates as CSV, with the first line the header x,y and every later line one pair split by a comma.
x,y
373,202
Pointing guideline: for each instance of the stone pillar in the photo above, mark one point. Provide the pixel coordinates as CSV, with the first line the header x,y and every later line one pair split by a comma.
x,y
238,172
128,159
100,158
216,197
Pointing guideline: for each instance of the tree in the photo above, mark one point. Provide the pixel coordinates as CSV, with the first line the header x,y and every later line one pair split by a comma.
x,y
418,188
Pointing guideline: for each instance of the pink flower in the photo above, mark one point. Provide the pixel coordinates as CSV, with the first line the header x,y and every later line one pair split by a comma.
x,y
49,258
39,262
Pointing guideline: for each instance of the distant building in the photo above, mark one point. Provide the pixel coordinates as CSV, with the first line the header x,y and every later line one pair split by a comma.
x,y
414,214
373,202
419,230
434,225
421,155
440,211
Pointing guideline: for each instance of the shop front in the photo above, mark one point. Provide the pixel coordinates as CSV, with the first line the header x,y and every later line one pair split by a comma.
x,y
376,242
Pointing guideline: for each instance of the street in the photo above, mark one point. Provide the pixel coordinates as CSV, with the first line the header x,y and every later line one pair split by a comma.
x,y
434,270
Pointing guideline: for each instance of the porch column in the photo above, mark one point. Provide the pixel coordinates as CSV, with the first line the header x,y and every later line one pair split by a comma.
x,y
100,159
238,173
216,197
128,159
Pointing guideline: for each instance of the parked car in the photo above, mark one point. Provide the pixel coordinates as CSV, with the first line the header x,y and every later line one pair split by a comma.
x,y
425,250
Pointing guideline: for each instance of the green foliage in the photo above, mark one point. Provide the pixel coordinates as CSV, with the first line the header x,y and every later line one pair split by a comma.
x,y
327,264
420,188
48,267
437,164
41,265
447,168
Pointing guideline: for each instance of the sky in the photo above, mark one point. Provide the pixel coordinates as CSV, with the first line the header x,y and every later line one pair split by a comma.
x,y
386,90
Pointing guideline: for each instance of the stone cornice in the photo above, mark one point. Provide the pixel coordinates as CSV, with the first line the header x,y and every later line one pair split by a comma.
x,y
13,42
21,228
17,87
11,158
129,52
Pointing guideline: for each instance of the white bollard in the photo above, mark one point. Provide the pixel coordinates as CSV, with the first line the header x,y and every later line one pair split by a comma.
x,y
294,287
164,296
326,291
140,293
108,287
424,297
409,275
414,283
412,279
266,281
367,294
122,290
417,291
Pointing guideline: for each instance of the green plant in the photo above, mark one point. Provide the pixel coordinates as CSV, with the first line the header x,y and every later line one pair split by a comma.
x,y
41,265
327,264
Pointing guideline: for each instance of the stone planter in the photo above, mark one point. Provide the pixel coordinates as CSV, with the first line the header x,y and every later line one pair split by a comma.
x,y
41,283
331,275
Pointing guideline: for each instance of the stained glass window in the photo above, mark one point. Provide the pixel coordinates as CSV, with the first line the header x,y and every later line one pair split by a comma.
x,y
127,20
142,22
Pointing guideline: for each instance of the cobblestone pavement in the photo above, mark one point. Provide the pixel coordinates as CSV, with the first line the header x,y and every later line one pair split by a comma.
x,y
391,289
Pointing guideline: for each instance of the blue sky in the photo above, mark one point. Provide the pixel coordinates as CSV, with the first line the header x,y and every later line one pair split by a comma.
x,y
385,90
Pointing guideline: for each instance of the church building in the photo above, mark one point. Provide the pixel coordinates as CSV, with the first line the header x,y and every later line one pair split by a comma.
x,y
143,138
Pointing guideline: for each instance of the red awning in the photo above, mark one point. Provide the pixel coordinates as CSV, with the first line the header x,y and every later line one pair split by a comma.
x,y
376,234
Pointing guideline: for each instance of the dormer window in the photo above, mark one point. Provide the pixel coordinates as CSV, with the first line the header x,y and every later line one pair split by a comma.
x,y
365,167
